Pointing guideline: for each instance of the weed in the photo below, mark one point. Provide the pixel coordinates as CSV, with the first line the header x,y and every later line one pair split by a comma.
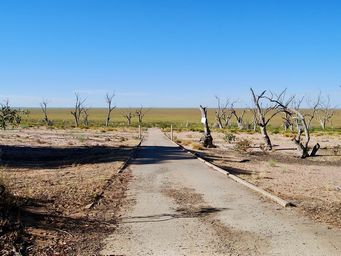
x,y
263,147
186,142
177,140
197,146
82,138
242,146
121,139
272,162
336,150
39,141
229,137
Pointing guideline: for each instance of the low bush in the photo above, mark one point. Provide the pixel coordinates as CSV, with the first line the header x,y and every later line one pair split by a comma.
x,y
229,137
242,146
336,150
197,146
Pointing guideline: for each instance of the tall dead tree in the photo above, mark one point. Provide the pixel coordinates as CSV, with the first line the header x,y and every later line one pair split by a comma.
x,y
108,99
78,109
325,113
266,112
239,117
221,113
207,140
303,121
43,106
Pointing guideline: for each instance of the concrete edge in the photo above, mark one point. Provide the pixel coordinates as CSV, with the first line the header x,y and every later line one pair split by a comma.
x,y
241,181
132,154
120,170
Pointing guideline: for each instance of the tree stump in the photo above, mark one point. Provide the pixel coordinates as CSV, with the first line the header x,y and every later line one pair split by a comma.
x,y
207,140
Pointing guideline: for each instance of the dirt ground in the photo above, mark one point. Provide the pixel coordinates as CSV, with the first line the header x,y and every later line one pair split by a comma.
x,y
312,184
63,195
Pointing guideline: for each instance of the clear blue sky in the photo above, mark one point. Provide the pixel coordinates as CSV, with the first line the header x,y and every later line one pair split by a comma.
x,y
167,53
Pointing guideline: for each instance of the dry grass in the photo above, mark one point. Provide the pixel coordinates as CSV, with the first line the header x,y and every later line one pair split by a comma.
x,y
53,200
181,116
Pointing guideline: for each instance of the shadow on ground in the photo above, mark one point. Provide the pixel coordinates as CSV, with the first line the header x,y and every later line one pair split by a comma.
x,y
55,157
181,213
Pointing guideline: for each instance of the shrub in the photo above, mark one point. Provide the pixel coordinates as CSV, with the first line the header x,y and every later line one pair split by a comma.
x,y
230,137
197,146
272,163
9,116
263,147
242,146
121,139
336,150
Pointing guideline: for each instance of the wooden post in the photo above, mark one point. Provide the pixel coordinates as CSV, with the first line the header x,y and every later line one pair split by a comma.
x,y
171,132
140,133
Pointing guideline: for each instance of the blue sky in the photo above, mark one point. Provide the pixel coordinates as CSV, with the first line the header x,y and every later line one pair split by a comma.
x,y
167,53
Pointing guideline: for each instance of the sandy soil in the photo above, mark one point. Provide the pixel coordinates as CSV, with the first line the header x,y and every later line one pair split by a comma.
x,y
314,184
53,176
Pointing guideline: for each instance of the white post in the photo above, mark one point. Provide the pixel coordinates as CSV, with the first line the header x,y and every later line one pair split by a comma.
x,y
140,133
171,132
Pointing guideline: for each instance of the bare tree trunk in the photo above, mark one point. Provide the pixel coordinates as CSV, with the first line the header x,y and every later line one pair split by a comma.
x,y
78,109
266,137
140,113
239,119
207,140
240,124
303,148
108,99
219,123
43,106
86,116
323,124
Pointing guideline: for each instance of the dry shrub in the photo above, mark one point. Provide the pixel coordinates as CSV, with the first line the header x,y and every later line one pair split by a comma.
x,y
197,146
336,150
121,139
272,163
242,146
177,140
39,141
186,142
229,137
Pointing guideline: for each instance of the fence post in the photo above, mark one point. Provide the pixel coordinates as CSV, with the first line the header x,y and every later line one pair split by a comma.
x,y
171,132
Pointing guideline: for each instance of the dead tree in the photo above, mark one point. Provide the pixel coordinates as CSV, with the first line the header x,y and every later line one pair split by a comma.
x,y
78,109
227,118
128,115
325,113
207,140
239,118
85,112
266,112
221,113
43,106
108,99
254,118
140,113
287,122
303,121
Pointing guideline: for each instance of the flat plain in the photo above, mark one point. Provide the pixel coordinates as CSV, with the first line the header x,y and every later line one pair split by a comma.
x,y
181,117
